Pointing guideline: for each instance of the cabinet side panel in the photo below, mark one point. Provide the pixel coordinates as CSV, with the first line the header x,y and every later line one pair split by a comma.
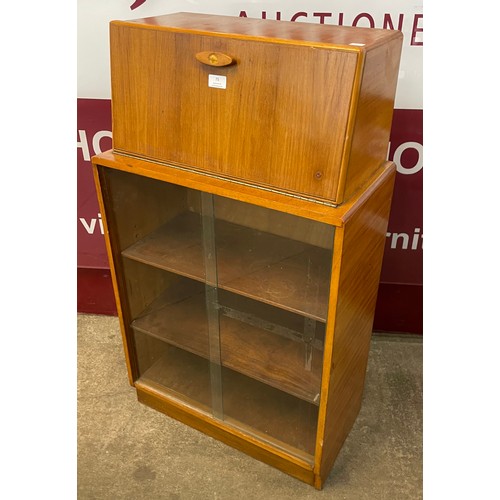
x,y
115,267
374,115
361,261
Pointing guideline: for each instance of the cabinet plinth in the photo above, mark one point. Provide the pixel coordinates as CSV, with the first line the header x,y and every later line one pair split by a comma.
x,y
245,207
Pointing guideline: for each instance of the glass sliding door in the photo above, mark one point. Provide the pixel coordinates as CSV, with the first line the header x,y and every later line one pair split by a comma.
x,y
226,305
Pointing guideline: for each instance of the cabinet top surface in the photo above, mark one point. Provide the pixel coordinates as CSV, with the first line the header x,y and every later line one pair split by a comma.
x,y
266,29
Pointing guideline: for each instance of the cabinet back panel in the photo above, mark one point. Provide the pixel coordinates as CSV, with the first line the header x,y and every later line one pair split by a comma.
x,y
270,221
140,204
281,121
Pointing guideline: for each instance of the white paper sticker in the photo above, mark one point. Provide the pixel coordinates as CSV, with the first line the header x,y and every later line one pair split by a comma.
x,y
217,81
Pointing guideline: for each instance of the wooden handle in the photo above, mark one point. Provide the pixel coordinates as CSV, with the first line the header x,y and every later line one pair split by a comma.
x,y
214,58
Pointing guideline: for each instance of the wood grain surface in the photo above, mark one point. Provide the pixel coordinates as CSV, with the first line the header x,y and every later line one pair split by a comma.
x,y
286,116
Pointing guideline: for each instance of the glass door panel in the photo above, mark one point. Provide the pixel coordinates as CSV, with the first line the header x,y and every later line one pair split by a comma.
x,y
161,261
274,276
225,304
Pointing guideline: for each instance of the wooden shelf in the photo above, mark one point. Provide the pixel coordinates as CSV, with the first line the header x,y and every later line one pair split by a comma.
x,y
179,318
270,413
279,271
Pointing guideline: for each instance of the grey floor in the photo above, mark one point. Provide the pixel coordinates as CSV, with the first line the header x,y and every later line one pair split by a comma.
x,y
129,451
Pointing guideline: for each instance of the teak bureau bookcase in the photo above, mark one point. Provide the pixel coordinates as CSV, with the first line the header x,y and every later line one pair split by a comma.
x,y
245,205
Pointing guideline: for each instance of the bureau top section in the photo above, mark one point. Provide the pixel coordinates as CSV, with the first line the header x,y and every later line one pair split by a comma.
x,y
267,30
291,107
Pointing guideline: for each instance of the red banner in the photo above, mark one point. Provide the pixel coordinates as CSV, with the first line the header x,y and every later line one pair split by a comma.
x,y
399,306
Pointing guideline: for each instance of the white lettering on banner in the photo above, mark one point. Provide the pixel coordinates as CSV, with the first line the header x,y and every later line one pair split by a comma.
x,y
83,142
399,153
96,141
413,26
404,239
90,228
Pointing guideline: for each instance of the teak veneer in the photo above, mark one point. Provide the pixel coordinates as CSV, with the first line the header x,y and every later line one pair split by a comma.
x,y
245,225
306,108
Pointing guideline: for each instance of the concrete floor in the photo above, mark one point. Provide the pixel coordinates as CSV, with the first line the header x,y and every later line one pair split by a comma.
x,y
129,451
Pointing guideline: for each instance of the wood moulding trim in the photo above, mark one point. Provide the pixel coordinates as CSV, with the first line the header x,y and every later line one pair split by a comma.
x,y
351,122
280,201
234,180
